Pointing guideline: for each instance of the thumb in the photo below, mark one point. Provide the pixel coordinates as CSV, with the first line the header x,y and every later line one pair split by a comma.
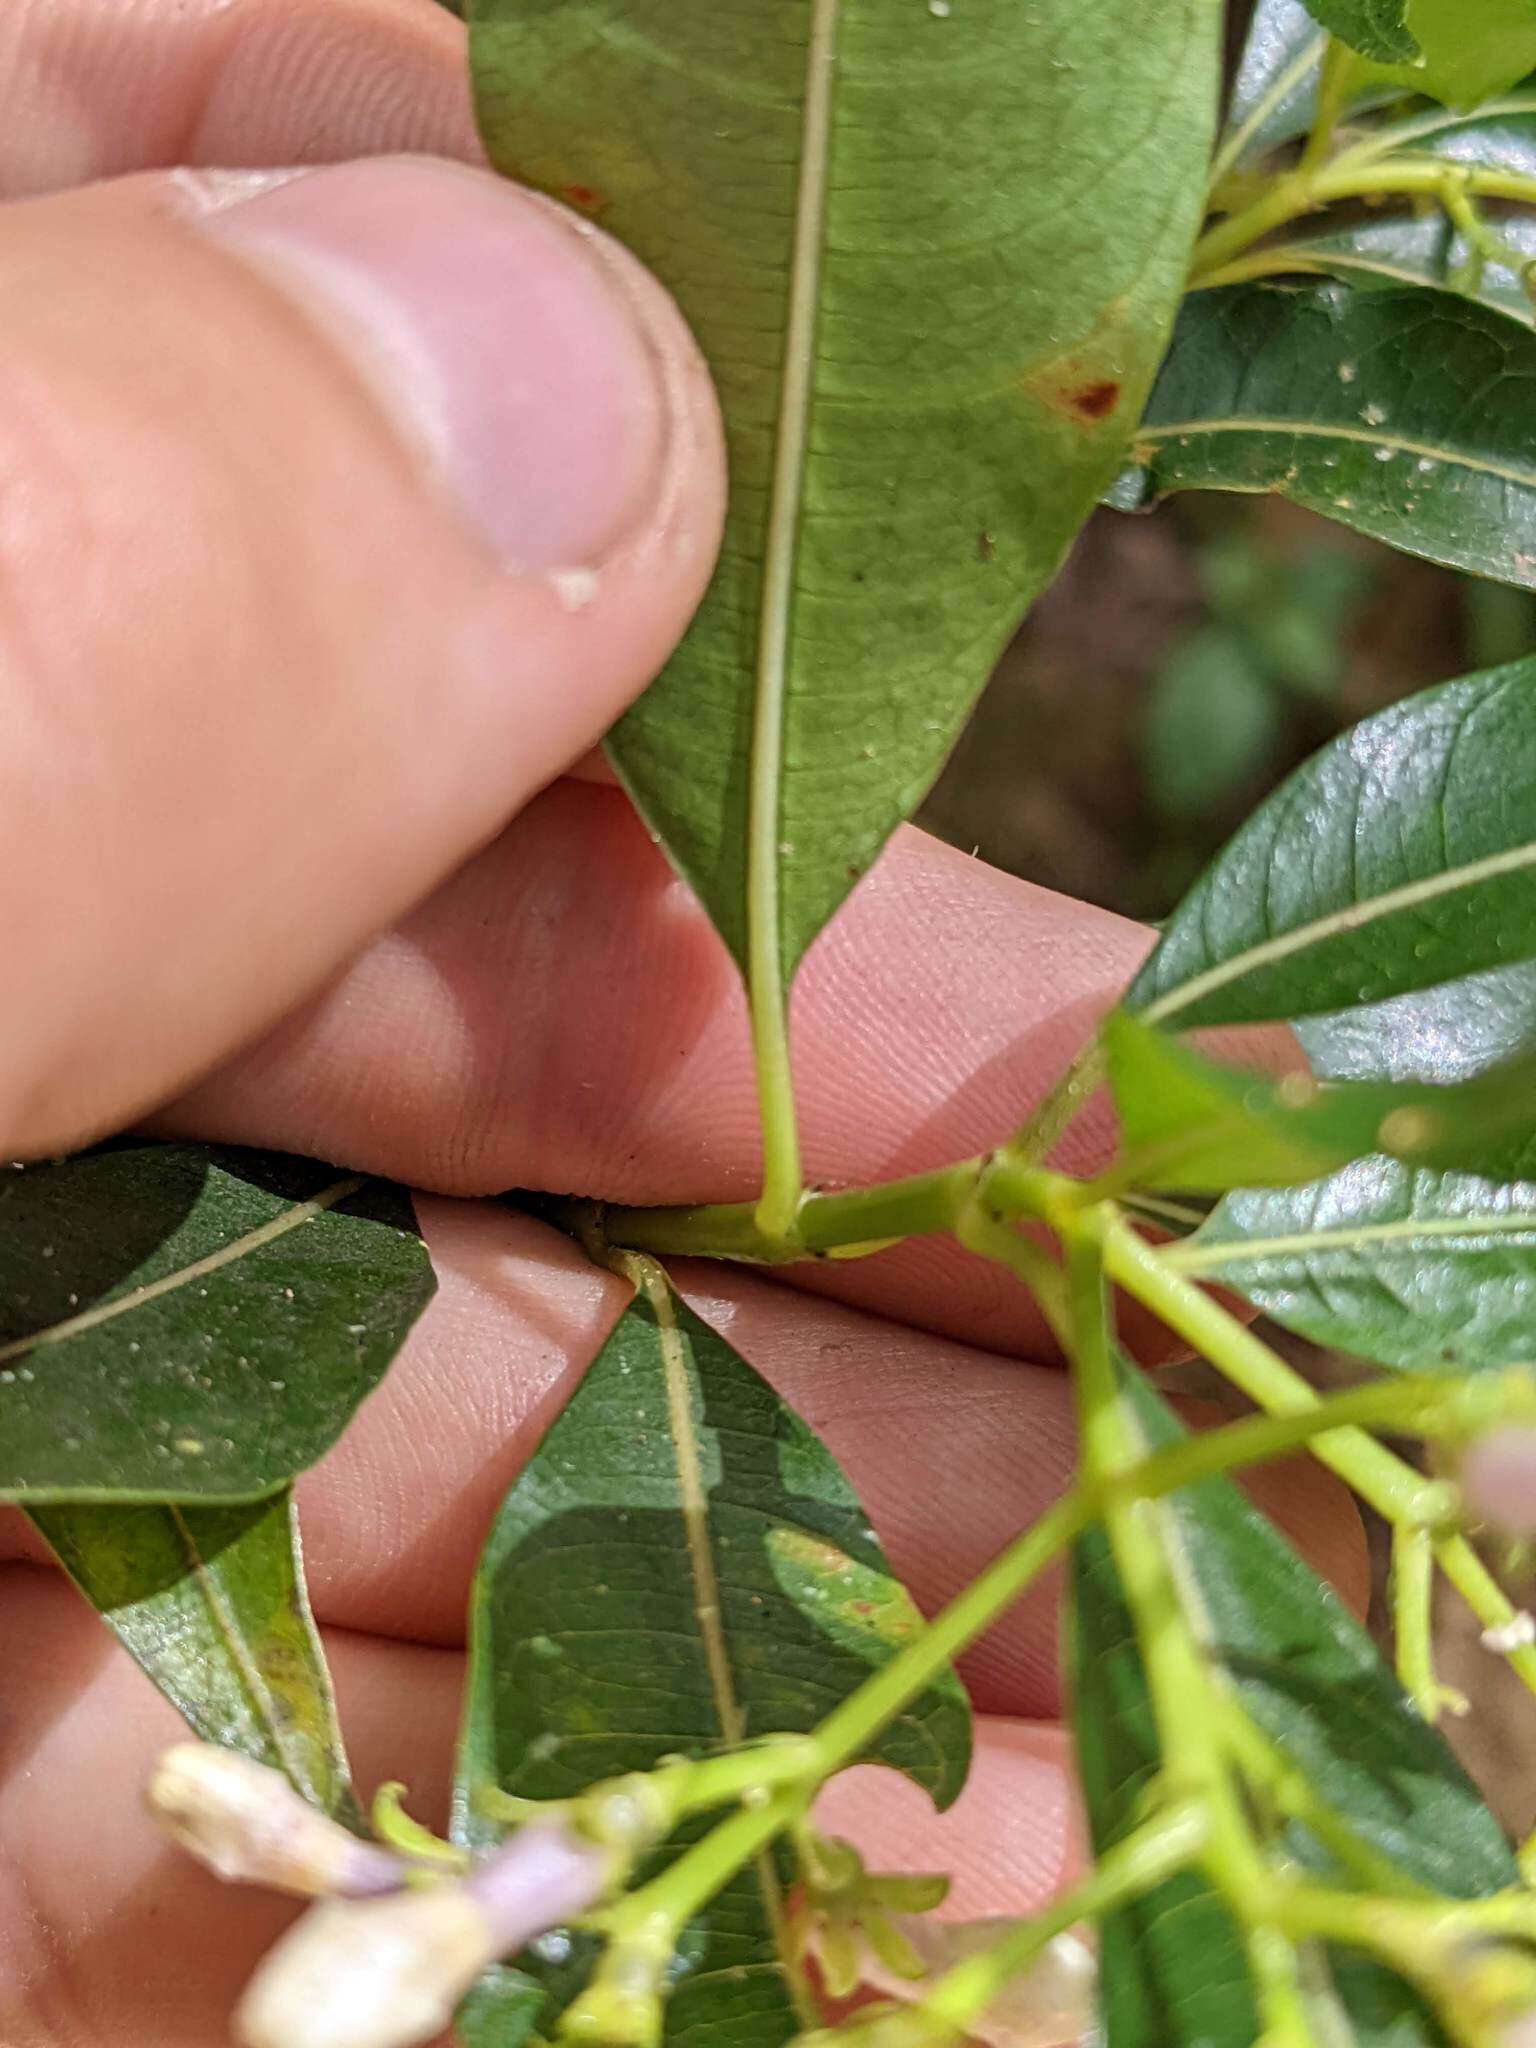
x,y
341,511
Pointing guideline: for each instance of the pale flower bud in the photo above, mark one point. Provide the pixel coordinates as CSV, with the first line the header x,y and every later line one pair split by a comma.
x,y
374,1973
1498,1477
388,1973
250,1826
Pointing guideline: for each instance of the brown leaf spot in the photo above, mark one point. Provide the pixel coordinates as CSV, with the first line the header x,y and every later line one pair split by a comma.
x,y
587,197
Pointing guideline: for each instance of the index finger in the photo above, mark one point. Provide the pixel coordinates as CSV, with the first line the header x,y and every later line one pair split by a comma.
x,y
92,89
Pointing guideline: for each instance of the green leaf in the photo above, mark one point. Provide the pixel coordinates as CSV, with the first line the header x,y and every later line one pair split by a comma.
x,y
1172,1973
1274,95
1399,857
1189,1122
1420,1271
1376,28
1422,248
931,252
179,1322
210,1603
1404,413
1467,49
680,1567
1419,249
1416,1270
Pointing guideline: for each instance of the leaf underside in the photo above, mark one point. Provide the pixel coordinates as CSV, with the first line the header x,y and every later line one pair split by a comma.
x,y
210,1603
675,1487
180,1322
981,339
1172,1971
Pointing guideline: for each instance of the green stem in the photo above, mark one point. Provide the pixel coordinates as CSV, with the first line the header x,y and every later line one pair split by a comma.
x,y
1488,1601
1332,92
1155,1852
1413,1580
1300,192
1388,1483
1047,1123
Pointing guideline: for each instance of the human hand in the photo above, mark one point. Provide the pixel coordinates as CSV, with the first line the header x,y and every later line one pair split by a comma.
x,y
269,682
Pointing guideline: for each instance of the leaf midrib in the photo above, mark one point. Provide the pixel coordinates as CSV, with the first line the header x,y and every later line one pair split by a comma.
x,y
786,492
1197,1258
1352,917
169,1283
1320,431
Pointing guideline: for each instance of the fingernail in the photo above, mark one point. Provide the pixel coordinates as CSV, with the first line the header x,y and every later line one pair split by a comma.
x,y
527,360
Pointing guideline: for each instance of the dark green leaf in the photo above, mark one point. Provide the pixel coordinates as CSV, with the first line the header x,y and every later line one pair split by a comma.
x,y
874,217
1189,1122
681,1566
1415,1270
1399,857
1274,95
191,1324
1172,1971
1376,28
1412,1269
210,1603
1404,413
1419,249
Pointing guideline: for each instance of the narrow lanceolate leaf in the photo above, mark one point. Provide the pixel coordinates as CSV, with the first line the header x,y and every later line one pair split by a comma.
x,y
1376,28
1193,1123
1399,857
1419,249
210,1602
1274,94
929,350
1414,1270
1172,1970
680,1567
1402,413
180,1322
1411,1269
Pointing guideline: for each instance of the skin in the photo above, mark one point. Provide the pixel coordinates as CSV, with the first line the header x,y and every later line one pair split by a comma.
x,y
498,982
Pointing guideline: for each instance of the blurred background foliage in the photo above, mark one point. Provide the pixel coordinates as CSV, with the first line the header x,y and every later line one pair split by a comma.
x,y
1183,663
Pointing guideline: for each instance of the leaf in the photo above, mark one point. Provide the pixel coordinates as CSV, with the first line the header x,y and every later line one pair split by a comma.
x,y
1467,49
1403,413
210,1603
931,252
1418,249
1398,857
1422,248
180,1322
680,1567
1172,1972
1421,1271
1411,1269
1193,1123
1274,95
1376,28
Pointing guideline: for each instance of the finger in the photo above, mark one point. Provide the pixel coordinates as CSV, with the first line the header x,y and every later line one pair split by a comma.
x,y
396,486
530,1027
107,1932
951,1450
91,88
